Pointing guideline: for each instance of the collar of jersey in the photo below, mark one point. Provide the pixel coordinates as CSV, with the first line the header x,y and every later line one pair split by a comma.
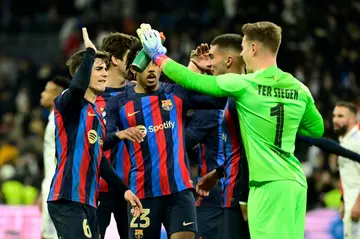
x,y
270,71
352,133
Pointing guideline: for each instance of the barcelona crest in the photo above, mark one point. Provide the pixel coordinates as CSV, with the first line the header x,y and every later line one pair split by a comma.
x,y
139,233
166,105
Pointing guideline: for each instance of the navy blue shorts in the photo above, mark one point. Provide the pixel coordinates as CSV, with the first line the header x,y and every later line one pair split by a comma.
x,y
209,219
112,203
74,220
233,225
177,212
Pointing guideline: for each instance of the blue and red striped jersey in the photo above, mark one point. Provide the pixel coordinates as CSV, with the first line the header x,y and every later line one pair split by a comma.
x,y
159,164
236,168
80,133
206,129
118,156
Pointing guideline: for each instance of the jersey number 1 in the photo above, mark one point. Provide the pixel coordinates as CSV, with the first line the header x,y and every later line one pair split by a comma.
x,y
278,111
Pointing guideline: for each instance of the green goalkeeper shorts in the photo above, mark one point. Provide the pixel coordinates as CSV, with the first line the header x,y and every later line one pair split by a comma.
x,y
277,210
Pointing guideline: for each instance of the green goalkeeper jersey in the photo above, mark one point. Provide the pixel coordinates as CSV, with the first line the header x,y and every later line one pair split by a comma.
x,y
272,107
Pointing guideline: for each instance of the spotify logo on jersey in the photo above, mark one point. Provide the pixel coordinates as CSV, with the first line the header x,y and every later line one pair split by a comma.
x,y
92,136
142,129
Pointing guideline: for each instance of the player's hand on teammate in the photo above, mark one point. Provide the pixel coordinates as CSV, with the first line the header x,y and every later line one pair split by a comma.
x,y
133,134
87,42
200,57
244,211
151,41
135,203
207,183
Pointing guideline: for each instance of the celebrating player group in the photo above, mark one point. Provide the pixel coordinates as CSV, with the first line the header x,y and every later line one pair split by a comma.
x,y
123,140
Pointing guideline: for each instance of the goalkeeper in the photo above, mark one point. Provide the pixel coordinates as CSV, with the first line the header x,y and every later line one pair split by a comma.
x,y
273,107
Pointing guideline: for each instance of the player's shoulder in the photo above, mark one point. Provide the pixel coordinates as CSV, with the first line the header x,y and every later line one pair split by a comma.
x,y
235,76
354,134
287,79
118,99
128,85
172,89
302,87
304,91
58,99
166,87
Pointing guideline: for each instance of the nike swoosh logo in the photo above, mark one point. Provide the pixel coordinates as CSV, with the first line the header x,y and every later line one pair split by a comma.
x,y
187,223
131,114
91,114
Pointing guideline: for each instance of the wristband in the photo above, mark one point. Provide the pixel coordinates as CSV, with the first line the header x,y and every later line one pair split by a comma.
x,y
158,59
142,60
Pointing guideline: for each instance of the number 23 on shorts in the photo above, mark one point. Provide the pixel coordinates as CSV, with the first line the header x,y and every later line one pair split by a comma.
x,y
144,220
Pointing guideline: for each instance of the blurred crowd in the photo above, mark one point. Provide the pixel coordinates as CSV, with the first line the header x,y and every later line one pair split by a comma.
x,y
319,47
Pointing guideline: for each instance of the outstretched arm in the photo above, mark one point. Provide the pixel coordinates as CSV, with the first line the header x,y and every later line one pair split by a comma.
x,y
219,86
330,146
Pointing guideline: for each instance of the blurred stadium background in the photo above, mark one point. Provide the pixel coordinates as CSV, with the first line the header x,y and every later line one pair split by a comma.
x,y
320,47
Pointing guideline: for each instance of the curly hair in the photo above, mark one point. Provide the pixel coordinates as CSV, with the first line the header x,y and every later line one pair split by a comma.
x,y
116,44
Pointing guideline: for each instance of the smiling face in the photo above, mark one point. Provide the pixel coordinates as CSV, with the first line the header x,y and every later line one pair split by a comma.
x,y
248,52
217,60
98,76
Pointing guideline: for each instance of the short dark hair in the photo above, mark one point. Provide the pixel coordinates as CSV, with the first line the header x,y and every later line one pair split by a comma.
x,y
116,44
229,40
232,41
134,50
75,60
268,33
350,106
61,81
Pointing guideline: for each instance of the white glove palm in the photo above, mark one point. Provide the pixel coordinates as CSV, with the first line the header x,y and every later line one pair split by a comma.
x,y
151,41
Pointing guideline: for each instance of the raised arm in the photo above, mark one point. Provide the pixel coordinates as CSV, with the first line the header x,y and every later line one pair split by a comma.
x,y
80,82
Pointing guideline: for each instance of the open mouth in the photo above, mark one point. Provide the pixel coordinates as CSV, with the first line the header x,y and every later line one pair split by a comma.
x,y
151,78
102,81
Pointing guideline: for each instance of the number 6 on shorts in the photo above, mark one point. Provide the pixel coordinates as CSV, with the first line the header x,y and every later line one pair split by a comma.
x,y
86,228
